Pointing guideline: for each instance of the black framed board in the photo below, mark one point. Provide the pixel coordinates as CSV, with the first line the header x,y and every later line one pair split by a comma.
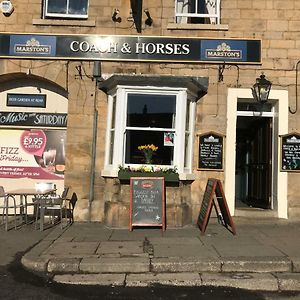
x,y
147,201
211,151
214,197
290,152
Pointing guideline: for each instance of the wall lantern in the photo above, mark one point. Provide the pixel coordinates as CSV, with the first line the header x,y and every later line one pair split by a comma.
x,y
7,8
261,89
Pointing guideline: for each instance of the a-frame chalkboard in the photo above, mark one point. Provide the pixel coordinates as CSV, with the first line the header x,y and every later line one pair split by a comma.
x,y
147,202
214,196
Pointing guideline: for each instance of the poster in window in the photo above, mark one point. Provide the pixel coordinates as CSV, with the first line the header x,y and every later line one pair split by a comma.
x,y
35,154
169,139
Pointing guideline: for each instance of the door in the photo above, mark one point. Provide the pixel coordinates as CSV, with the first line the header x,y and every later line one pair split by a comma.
x,y
254,161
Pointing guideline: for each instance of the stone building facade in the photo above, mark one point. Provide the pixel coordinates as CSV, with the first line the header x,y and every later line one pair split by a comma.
x,y
219,91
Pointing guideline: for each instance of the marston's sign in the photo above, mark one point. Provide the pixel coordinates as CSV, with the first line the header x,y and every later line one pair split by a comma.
x,y
130,48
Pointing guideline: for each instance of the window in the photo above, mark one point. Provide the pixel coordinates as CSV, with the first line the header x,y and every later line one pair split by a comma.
x,y
197,11
150,116
66,8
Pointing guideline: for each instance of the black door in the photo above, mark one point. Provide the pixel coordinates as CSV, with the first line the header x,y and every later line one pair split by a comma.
x,y
254,157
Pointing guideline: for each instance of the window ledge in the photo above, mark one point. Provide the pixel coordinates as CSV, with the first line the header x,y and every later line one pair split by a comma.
x,y
114,174
218,27
64,22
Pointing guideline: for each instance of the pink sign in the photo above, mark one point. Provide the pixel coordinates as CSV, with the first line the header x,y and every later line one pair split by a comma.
x,y
32,154
33,142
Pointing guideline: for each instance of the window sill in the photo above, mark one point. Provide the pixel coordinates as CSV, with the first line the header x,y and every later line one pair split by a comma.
x,y
64,22
219,27
114,174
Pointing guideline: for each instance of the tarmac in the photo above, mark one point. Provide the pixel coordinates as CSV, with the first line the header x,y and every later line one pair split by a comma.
x,y
263,255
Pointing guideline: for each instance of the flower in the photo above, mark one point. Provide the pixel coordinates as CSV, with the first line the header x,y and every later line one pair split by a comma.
x,y
148,147
149,169
148,151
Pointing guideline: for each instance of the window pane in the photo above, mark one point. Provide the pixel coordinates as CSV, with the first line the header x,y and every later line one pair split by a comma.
x,y
135,138
186,151
78,7
113,118
187,119
111,147
57,6
151,111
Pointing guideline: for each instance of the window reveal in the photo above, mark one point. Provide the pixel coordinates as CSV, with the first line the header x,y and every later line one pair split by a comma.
x,y
197,11
66,8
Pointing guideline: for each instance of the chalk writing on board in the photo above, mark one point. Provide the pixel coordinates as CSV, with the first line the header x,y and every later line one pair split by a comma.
x,y
210,151
147,201
290,152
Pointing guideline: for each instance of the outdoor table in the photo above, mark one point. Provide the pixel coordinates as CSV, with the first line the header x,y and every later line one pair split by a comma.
x,y
24,193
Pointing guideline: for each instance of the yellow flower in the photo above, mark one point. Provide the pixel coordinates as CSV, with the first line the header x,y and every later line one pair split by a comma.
x,y
148,147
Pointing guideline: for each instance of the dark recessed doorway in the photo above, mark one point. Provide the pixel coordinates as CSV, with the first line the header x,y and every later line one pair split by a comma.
x,y
253,182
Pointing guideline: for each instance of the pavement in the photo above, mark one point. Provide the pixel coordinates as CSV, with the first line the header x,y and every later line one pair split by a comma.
x,y
263,255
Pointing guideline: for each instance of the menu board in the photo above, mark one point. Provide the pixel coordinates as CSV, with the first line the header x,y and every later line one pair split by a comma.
x,y
214,197
147,201
290,152
210,151
206,205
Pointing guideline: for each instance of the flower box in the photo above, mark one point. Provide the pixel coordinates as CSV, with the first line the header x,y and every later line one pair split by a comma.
x,y
169,177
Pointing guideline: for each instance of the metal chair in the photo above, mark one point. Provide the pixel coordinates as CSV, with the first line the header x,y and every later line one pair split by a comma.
x,y
67,209
52,206
9,202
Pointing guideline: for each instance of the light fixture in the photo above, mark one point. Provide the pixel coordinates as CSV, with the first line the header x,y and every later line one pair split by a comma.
x,y
114,16
149,20
7,8
261,89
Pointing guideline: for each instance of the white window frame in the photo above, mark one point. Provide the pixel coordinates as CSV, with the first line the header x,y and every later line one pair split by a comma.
x,y
213,7
59,15
121,93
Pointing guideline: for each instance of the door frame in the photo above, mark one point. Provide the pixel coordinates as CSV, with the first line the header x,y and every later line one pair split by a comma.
x,y
279,99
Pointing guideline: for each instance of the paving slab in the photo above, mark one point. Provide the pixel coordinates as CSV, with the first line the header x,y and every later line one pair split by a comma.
x,y
296,264
257,264
185,264
135,235
176,279
91,279
247,250
115,265
72,249
192,241
121,247
63,265
249,281
288,281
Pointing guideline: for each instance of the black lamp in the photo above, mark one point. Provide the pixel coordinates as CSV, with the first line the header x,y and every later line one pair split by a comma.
x,y
261,89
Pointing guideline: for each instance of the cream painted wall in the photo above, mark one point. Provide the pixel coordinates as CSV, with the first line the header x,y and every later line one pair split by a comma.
x,y
55,103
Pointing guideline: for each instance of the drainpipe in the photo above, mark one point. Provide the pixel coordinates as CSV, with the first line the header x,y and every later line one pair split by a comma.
x,y
98,77
93,158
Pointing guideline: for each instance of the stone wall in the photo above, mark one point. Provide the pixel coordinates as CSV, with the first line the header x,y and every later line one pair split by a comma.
x,y
273,21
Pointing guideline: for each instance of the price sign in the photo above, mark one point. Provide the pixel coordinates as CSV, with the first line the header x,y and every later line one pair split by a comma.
x,y
33,142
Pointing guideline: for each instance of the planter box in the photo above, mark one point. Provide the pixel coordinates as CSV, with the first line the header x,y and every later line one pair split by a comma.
x,y
169,177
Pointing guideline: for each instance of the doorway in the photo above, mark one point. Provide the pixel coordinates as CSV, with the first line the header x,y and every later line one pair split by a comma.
x,y
238,101
254,156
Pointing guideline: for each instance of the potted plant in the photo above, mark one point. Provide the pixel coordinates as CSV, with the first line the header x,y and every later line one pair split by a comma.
x,y
170,174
